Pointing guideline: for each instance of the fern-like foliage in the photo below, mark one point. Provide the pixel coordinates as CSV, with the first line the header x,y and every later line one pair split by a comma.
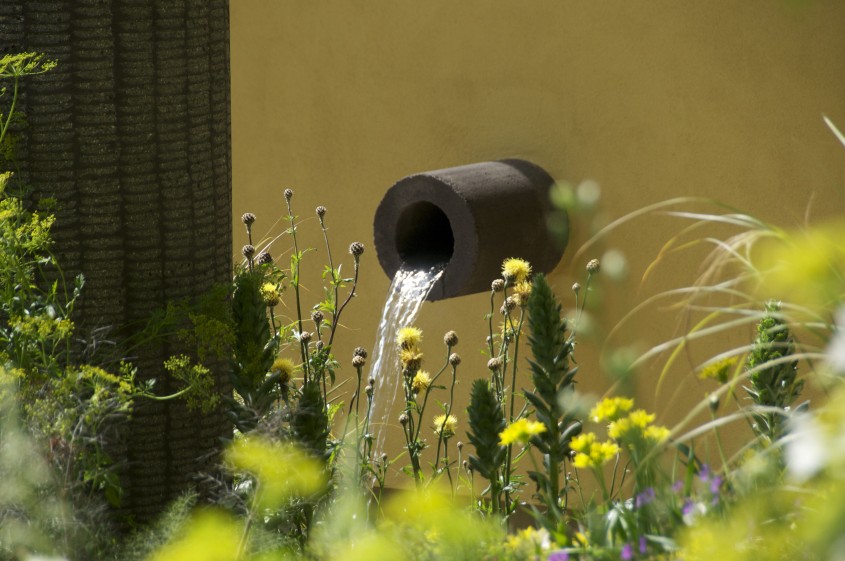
x,y
486,421
552,376
773,381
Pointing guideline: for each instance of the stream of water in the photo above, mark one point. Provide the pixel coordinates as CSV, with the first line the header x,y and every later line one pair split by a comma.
x,y
408,291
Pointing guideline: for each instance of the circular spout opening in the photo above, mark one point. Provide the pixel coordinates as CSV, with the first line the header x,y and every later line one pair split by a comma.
x,y
424,235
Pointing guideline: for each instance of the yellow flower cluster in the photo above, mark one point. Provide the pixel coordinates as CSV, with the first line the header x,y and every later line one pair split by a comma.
x,y
590,453
516,270
285,368
421,381
445,425
718,370
637,426
520,430
408,340
270,293
611,409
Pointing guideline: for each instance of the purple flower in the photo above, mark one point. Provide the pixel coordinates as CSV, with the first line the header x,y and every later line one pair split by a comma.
x,y
716,484
704,473
678,486
643,545
644,498
687,508
627,552
558,556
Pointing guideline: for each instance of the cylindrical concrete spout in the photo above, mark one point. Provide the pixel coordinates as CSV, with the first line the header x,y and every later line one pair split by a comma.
x,y
471,218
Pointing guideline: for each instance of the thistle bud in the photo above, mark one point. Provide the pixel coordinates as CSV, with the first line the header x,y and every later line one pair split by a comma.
x,y
356,249
248,251
288,194
498,285
358,361
494,364
248,218
304,337
454,359
576,288
384,458
451,338
317,317
593,266
360,351
321,211
371,381
460,445
264,258
369,391
403,419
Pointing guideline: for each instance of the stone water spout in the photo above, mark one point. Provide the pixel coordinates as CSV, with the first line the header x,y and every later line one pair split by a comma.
x,y
471,218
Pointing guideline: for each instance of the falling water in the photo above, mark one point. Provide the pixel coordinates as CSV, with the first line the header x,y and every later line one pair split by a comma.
x,y
408,291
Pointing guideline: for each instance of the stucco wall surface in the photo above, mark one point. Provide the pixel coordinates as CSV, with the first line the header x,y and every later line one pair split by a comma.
x,y
652,100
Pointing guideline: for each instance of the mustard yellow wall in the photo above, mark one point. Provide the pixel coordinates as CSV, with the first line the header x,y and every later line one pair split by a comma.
x,y
652,100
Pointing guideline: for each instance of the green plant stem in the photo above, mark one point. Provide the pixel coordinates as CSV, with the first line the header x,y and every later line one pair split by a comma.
x,y
11,109
336,318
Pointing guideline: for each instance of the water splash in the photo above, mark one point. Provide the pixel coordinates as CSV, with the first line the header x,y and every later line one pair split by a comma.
x,y
408,291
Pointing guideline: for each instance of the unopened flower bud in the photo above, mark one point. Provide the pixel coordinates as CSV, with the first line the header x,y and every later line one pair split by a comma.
x,y
371,381
384,457
248,251
576,288
356,249
305,337
264,258
248,218
288,194
319,346
498,285
403,419
510,303
358,361
460,445
321,211
451,338
494,364
360,351
454,359
713,403
593,266
317,317
369,391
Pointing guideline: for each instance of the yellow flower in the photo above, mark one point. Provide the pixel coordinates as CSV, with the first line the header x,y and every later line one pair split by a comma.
x,y
285,368
599,453
445,425
421,381
641,418
582,442
520,430
656,433
516,270
409,337
521,292
270,294
632,426
611,409
410,358
718,370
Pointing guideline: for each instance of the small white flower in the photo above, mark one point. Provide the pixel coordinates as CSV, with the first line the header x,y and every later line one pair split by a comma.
x,y
806,447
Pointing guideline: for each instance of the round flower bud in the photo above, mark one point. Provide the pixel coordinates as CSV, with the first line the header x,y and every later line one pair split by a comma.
x,y
498,285
319,346
371,381
403,419
288,194
317,317
510,303
451,338
248,251
460,445
304,337
384,457
593,266
576,288
454,359
494,364
264,258
358,361
356,249
248,218
369,391
466,465
360,351
321,211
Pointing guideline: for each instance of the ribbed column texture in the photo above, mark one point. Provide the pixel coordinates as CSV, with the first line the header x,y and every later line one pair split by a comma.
x,y
131,135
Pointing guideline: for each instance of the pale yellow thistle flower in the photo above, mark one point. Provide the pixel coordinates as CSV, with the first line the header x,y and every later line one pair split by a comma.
x,y
521,292
285,368
516,270
421,381
611,409
270,294
445,425
409,337
410,358
521,431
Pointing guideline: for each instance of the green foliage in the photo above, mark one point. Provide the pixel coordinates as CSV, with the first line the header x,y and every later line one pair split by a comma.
x,y
310,419
553,378
486,422
198,380
773,373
